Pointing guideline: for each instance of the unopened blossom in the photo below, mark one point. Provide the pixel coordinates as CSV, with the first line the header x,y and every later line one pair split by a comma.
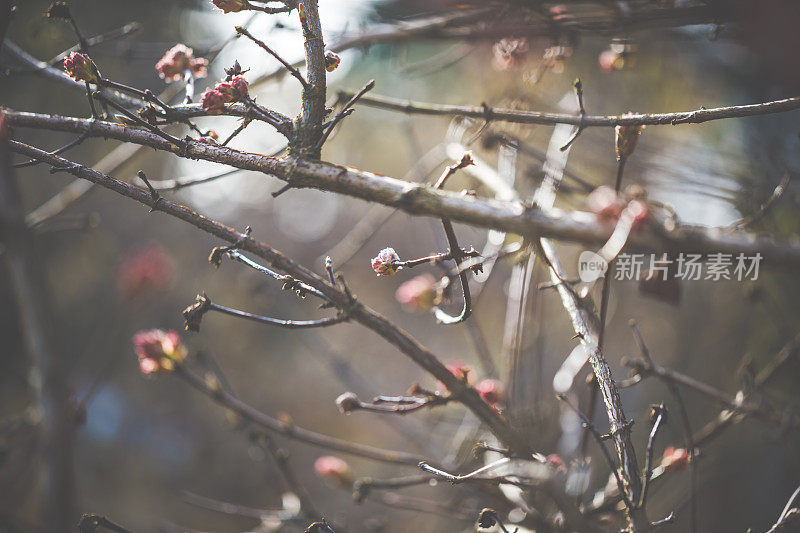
x,y
210,137
626,138
555,460
193,315
144,271
178,60
674,459
332,61
487,518
333,470
638,212
559,13
459,369
609,61
509,53
384,264
491,391
80,67
618,56
213,101
231,6
419,293
234,90
158,351
605,202
348,402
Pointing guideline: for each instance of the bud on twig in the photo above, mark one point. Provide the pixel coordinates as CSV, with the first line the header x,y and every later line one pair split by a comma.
x,y
231,6
158,351
384,263
348,402
487,518
626,138
332,61
491,391
80,67
193,315
178,60
333,470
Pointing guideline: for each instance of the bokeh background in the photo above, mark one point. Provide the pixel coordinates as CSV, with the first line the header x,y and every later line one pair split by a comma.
x,y
113,268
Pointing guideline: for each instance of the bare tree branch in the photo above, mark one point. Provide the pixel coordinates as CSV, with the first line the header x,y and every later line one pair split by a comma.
x,y
487,113
510,217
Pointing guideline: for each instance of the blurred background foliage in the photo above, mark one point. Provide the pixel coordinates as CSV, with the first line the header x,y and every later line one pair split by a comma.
x,y
146,441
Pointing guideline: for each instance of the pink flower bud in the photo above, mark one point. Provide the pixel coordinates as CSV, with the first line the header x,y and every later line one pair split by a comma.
x,y
638,212
213,101
158,351
80,67
333,470
419,293
459,369
331,61
145,271
605,203
240,85
559,13
491,391
384,263
348,402
609,60
231,6
675,459
179,59
626,138
234,90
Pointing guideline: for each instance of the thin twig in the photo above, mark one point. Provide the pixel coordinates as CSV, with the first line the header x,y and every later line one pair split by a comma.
x,y
258,418
659,413
237,131
400,405
773,416
582,113
340,297
119,33
293,71
534,117
136,120
685,425
289,324
776,195
345,111
587,425
455,249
